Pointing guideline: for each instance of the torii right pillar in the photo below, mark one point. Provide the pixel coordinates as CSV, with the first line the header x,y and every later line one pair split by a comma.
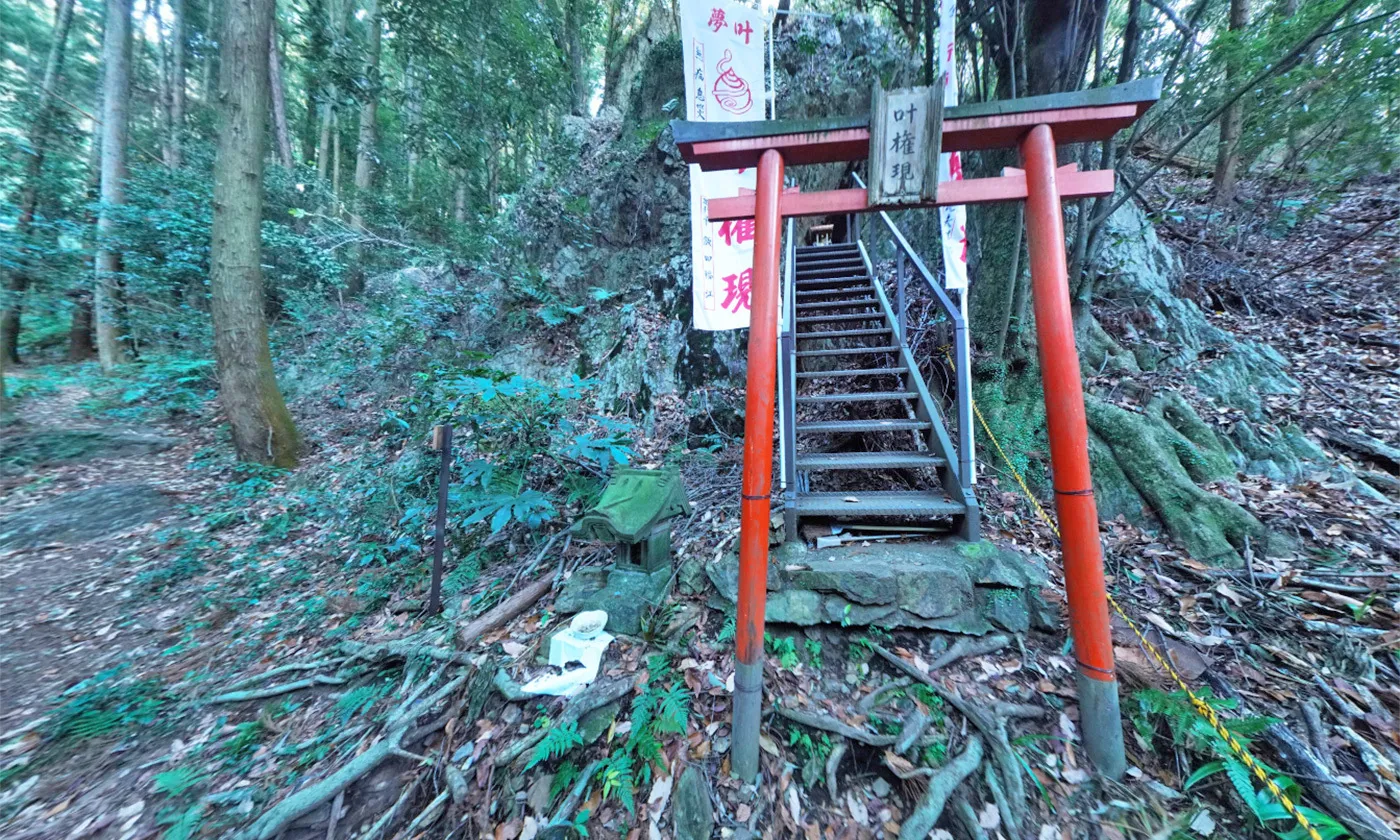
x,y
1099,720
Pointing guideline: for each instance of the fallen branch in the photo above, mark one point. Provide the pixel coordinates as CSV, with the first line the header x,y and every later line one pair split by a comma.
x,y
571,802
275,690
833,763
940,787
817,720
504,611
1378,764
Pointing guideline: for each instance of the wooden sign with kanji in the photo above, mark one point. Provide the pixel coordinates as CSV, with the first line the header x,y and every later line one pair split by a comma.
x,y
906,130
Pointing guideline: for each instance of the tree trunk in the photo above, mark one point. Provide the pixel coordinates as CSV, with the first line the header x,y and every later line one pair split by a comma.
x,y
80,347
459,197
365,148
328,147
279,100
175,101
413,99
1227,153
116,85
29,187
262,427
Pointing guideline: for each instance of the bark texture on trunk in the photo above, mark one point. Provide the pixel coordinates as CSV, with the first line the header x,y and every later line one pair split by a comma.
x,y
116,89
1227,153
279,100
365,149
262,427
39,129
174,93
80,347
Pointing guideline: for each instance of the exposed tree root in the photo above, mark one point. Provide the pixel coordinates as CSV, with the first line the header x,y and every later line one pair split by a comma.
x,y
597,695
817,720
918,825
967,646
275,690
1163,463
308,799
833,763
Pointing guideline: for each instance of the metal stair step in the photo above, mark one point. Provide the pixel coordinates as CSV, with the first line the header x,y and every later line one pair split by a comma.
x,y
867,461
825,426
829,262
807,336
826,282
826,271
880,503
838,304
827,374
857,396
839,290
823,319
839,248
847,351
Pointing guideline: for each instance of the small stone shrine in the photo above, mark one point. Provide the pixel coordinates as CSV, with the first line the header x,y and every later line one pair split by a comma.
x,y
635,513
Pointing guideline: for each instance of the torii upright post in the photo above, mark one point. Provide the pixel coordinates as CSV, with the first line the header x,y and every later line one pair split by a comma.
x,y
1033,125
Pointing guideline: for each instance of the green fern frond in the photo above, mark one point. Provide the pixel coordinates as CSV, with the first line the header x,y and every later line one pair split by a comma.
x,y
172,783
559,741
357,700
673,710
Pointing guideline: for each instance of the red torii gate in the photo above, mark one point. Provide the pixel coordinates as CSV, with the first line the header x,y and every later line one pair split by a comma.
x,y
1034,125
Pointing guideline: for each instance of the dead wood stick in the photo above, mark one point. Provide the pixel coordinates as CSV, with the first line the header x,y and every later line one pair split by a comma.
x,y
1317,732
428,815
817,720
504,611
1366,445
1319,781
940,787
1378,764
336,805
967,646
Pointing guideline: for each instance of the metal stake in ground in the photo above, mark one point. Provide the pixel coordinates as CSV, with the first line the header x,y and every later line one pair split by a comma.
x,y
442,441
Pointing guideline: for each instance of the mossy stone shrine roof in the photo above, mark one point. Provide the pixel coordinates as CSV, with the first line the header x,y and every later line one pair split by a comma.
x,y
634,501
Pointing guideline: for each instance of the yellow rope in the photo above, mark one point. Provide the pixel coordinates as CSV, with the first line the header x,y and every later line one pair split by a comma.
x,y
1202,707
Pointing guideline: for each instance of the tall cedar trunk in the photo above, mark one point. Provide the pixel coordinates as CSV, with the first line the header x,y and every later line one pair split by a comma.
x,y
1227,153
279,99
459,197
365,148
328,146
80,347
28,202
175,93
413,106
575,54
116,84
262,427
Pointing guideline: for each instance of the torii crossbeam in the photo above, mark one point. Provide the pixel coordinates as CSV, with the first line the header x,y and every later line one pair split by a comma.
x,y
1034,125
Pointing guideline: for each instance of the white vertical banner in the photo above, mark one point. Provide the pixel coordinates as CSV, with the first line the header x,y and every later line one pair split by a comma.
x,y
953,219
724,71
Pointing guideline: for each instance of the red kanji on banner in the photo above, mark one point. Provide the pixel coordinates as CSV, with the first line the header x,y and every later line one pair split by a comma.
x,y
736,231
744,28
736,290
716,20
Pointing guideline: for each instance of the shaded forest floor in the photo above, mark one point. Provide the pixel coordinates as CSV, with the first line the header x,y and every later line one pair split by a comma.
x,y
221,639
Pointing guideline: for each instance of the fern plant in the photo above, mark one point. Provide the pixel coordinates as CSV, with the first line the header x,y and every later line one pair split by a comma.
x,y
557,742
357,700
174,782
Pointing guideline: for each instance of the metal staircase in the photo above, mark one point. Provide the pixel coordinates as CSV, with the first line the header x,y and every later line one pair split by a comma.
x,y
862,439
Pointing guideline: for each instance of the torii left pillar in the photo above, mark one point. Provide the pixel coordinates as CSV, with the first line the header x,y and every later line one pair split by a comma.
x,y
755,509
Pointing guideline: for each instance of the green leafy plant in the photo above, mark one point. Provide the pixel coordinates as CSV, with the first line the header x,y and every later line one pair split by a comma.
x,y
107,703
174,782
556,743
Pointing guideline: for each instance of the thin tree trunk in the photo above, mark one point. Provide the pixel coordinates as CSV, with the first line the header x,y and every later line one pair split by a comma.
x,y
413,97
175,101
1227,153
80,347
28,202
459,197
262,427
279,99
365,150
335,155
116,85
328,146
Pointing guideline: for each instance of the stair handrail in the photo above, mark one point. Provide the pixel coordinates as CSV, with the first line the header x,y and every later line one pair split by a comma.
x,y
787,374
963,372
